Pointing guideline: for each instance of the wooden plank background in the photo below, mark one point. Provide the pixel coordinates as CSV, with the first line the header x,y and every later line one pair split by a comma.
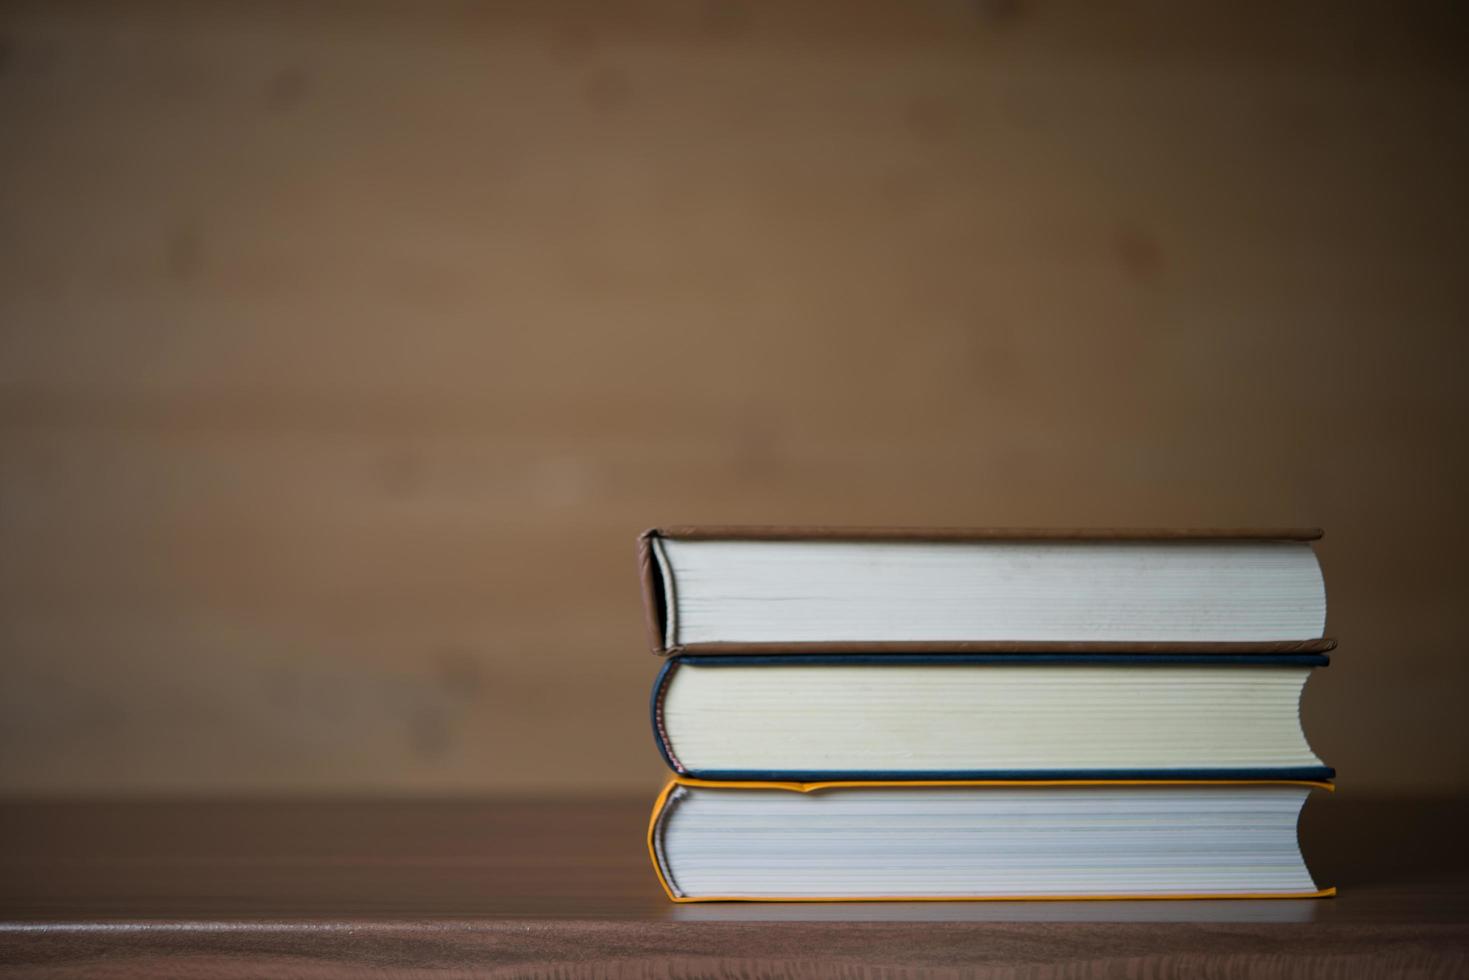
x,y
345,348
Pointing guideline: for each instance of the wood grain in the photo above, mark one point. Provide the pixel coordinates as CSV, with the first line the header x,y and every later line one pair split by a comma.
x,y
345,348
562,888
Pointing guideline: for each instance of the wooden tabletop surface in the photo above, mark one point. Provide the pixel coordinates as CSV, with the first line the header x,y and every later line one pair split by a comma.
x,y
335,888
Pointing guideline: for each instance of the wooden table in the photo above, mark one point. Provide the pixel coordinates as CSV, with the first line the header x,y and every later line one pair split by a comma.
x,y
519,887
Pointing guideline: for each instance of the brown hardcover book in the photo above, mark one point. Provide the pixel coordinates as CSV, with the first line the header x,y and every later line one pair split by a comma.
x,y
719,589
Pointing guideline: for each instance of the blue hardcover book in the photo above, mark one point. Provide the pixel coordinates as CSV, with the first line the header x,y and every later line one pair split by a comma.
x,y
996,716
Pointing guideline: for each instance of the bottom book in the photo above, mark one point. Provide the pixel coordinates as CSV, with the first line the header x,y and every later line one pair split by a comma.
x,y
954,841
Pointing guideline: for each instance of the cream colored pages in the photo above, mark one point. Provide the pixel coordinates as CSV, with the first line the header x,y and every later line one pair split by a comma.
x,y
892,719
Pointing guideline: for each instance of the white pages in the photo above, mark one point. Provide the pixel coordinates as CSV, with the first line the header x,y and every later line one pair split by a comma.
x,y
1097,591
975,842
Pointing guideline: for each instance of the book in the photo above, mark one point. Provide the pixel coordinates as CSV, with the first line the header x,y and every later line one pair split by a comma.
x,y
974,841
759,590
818,717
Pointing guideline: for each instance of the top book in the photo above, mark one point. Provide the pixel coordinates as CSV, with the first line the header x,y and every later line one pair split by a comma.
x,y
716,589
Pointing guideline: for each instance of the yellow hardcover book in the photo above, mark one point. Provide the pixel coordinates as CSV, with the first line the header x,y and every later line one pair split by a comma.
x,y
980,840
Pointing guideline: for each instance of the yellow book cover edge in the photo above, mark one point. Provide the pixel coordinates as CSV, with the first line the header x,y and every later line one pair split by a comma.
x,y
674,783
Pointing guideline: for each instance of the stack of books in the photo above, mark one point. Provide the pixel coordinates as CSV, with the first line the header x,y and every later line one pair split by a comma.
x,y
886,713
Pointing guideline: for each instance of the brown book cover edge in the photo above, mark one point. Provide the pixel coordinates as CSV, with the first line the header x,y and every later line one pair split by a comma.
x,y
796,532
652,581
654,613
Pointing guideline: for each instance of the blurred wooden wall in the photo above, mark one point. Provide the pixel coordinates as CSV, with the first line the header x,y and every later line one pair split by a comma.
x,y
345,348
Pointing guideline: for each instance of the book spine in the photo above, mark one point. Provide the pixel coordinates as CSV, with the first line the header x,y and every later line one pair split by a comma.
x,y
660,732
651,578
